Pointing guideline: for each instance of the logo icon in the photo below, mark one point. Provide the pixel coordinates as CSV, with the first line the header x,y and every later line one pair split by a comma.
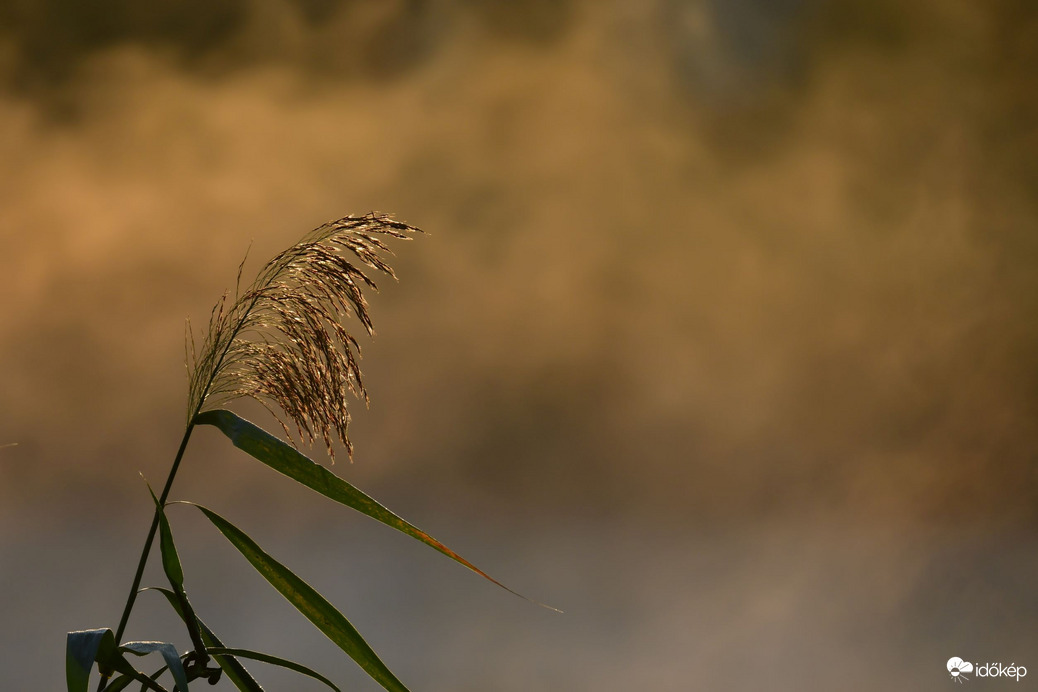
x,y
957,668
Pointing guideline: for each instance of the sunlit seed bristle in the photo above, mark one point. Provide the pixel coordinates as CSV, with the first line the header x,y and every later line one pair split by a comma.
x,y
282,343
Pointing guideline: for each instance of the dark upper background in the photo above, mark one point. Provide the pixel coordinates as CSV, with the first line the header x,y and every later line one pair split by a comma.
x,y
710,261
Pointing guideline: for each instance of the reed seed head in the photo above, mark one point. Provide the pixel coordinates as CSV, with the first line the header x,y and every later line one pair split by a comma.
x,y
281,340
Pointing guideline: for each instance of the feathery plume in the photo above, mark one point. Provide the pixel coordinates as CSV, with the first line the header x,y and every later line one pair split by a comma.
x,y
281,341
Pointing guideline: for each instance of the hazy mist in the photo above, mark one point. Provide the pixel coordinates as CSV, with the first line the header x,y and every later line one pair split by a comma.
x,y
729,259
711,264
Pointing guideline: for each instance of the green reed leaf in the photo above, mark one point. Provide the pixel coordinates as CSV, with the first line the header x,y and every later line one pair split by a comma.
x,y
232,668
273,660
309,602
123,681
82,649
289,461
175,573
169,655
126,679
170,559
120,683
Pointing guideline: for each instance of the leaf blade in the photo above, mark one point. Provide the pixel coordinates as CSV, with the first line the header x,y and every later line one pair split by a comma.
x,y
170,558
235,671
169,655
309,602
285,459
120,683
125,680
273,660
171,565
85,647
81,651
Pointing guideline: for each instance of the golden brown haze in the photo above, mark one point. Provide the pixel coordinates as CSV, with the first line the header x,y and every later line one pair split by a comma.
x,y
719,266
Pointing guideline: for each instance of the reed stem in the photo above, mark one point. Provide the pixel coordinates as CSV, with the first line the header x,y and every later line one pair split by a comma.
x,y
147,544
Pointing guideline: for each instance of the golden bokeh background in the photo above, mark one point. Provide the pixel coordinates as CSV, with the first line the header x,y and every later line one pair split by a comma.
x,y
725,307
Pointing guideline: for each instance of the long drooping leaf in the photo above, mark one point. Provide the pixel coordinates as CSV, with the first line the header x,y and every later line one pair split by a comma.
x,y
81,651
123,681
170,559
233,668
169,655
120,683
289,461
175,573
147,683
83,648
273,660
311,604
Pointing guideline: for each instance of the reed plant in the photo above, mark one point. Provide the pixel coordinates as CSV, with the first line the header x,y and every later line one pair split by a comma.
x,y
281,341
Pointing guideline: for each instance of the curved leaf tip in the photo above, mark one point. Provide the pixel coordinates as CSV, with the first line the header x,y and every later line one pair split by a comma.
x,y
287,460
309,602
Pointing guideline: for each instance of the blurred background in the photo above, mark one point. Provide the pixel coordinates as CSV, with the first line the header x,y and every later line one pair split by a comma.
x,y
723,338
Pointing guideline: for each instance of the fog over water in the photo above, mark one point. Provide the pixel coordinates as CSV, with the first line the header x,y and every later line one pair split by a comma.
x,y
722,338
